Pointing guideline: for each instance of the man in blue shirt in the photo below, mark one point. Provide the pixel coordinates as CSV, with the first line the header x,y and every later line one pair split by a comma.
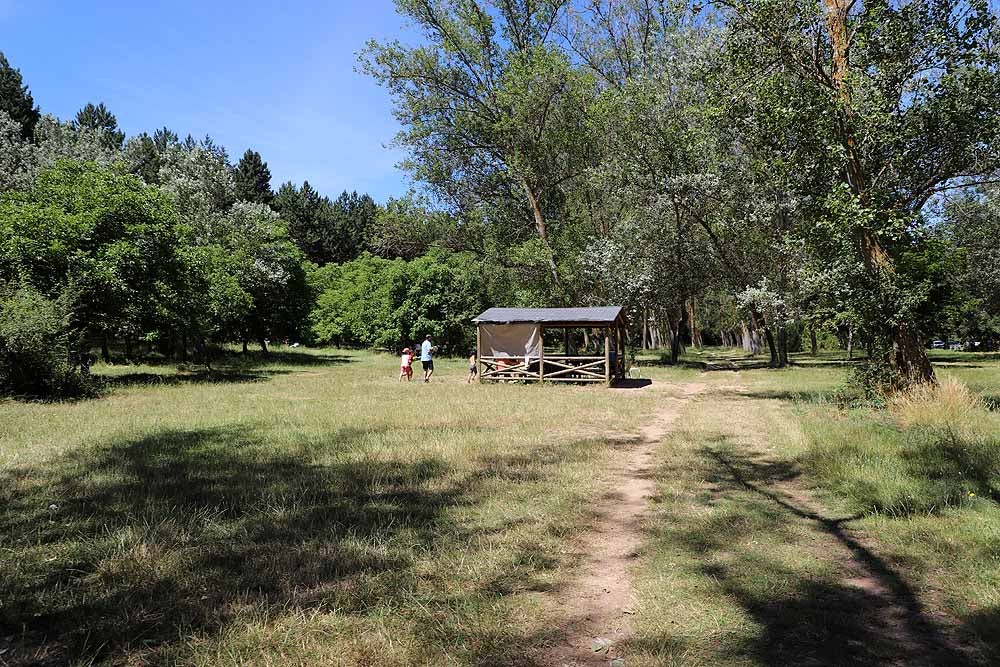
x,y
427,358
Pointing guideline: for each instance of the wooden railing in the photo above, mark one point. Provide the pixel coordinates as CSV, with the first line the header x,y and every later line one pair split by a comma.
x,y
550,368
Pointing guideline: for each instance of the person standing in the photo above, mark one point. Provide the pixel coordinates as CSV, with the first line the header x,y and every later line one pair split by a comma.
x,y
427,358
406,365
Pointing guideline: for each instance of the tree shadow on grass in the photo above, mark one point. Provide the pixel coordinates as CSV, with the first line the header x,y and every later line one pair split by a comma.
x,y
283,357
811,396
866,614
205,377
127,552
123,550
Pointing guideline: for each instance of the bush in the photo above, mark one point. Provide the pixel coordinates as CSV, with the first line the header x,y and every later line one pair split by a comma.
x,y
936,447
869,385
34,350
379,303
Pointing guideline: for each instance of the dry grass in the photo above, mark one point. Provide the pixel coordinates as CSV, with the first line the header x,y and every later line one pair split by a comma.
x,y
790,531
300,509
948,405
307,509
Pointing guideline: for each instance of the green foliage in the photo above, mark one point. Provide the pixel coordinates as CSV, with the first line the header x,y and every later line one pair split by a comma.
x,y
99,119
972,224
198,176
493,112
407,227
35,345
144,154
17,156
57,140
16,100
327,231
374,302
102,233
253,179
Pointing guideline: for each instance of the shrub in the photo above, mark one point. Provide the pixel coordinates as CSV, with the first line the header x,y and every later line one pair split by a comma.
x,y
380,303
34,350
936,447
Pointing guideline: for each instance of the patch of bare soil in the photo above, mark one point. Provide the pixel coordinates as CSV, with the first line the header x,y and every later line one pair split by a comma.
x,y
597,604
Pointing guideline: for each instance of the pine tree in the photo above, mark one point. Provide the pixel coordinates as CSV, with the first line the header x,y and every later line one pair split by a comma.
x,y
253,179
100,119
16,100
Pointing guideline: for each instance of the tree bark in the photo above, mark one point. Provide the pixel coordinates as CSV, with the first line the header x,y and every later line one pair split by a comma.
x,y
772,350
813,343
850,343
693,323
675,334
645,328
543,233
909,357
782,346
105,352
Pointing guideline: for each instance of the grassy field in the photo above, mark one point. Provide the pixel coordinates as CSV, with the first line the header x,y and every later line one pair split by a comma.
x,y
306,509
791,531
303,509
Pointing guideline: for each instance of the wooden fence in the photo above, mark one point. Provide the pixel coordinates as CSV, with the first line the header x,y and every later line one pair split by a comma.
x,y
554,368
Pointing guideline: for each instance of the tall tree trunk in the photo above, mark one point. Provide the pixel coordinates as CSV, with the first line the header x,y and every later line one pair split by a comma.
x,y
693,323
105,352
263,345
813,343
543,234
760,324
645,328
909,357
244,341
772,350
850,342
675,334
782,346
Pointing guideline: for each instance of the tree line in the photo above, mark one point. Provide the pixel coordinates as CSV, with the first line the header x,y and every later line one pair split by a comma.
x,y
154,245
754,172
771,175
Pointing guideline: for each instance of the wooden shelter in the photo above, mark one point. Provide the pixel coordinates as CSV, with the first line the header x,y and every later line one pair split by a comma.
x,y
510,345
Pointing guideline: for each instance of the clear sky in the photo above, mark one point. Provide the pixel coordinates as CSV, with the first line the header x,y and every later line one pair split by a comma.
x,y
277,77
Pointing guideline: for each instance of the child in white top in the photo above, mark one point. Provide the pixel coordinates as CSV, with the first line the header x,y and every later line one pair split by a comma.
x,y
406,365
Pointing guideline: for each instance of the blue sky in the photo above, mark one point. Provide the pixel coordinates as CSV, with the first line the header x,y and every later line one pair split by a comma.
x,y
277,77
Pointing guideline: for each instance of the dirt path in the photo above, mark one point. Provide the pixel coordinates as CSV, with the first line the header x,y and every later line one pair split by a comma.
x,y
900,631
597,604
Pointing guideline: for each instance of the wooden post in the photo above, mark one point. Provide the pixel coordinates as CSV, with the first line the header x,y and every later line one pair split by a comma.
x,y
541,354
607,357
618,351
479,361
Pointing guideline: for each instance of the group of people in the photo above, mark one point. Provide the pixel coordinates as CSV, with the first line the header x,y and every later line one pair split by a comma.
x,y
427,350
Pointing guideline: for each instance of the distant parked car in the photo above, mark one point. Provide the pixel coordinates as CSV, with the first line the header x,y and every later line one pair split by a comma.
x,y
937,345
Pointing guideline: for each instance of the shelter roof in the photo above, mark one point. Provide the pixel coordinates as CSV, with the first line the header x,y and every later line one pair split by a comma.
x,y
592,316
